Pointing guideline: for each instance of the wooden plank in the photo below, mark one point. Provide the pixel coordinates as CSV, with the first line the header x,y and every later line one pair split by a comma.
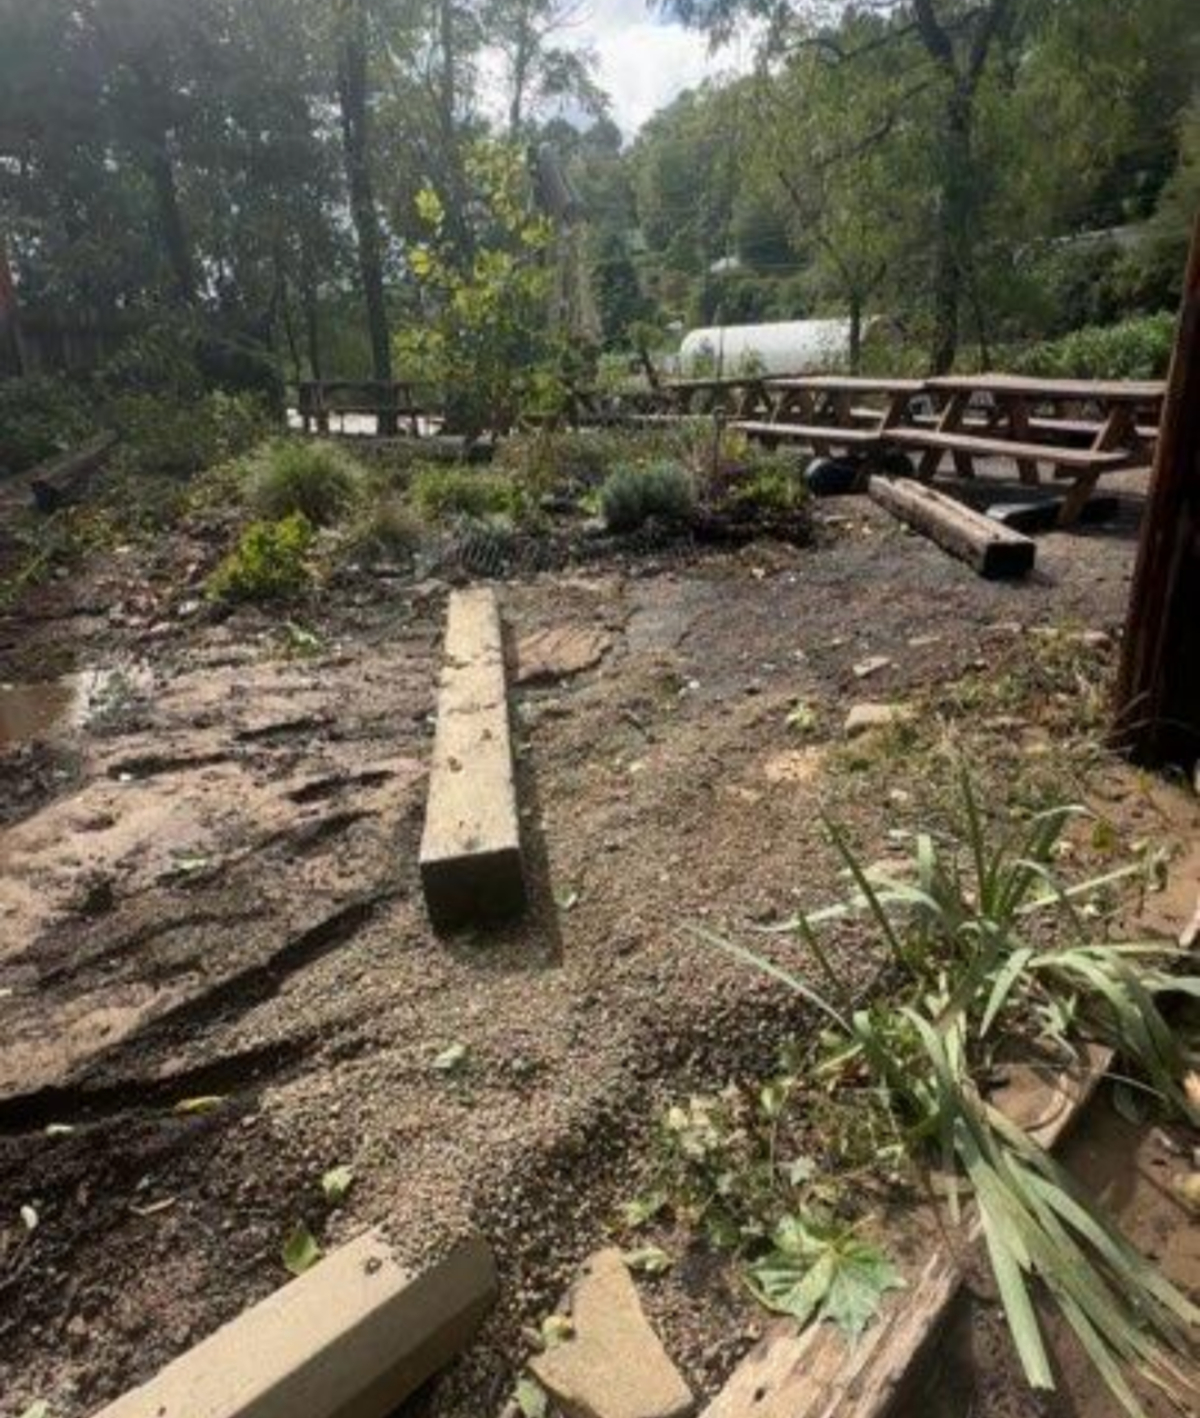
x,y
1082,458
351,1338
850,384
471,863
1145,391
806,433
53,483
992,549
818,1374
1157,707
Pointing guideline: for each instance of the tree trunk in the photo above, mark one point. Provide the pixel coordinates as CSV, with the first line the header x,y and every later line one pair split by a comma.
x,y
1158,689
856,323
161,172
352,97
312,318
953,233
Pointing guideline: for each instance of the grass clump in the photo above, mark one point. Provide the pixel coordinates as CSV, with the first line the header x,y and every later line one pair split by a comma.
x,y
770,483
634,495
992,958
386,528
270,562
444,494
317,480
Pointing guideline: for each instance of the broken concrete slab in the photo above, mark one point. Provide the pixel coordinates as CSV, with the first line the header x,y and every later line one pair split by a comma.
x,y
351,1338
863,718
545,656
615,1365
471,862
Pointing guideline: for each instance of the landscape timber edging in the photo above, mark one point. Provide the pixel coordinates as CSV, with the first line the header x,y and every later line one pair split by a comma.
x,y
471,862
816,1374
350,1338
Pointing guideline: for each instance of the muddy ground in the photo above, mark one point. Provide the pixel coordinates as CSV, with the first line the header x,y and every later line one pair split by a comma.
x,y
210,892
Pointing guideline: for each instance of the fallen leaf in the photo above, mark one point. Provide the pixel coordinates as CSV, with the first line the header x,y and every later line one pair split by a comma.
x,y
336,1183
531,1398
556,1329
649,1260
568,900
451,1059
153,1208
300,1250
59,1129
207,1104
802,718
38,1409
29,1217
641,1209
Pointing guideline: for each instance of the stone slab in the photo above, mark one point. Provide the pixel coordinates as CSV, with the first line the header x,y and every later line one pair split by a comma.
x,y
615,1365
350,1338
472,867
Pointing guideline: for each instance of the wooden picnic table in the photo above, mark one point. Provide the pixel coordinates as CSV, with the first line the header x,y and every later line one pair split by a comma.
x,y
827,412
1034,420
388,400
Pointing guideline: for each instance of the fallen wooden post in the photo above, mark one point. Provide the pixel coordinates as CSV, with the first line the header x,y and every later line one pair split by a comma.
x,y
471,863
351,1338
993,550
54,482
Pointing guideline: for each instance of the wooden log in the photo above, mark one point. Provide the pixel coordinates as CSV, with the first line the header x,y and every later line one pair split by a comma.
x,y
1157,707
471,863
993,550
56,481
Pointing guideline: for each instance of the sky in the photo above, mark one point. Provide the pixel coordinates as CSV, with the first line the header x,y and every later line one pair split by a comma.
x,y
644,59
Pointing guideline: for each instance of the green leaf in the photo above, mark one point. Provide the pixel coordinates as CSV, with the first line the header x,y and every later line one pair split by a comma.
x,y
641,1209
336,1183
300,1250
825,1273
451,1059
557,1329
802,718
531,1398
649,1260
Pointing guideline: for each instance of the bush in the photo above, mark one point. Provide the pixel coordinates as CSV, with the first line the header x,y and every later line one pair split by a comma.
x,y
270,562
162,435
1138,348
769,482
39,417
441,494
566,460
387,527
318,480
633,495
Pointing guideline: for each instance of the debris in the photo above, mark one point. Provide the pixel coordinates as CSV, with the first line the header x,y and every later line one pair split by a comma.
x,y
871,666
615,1366
863,718
549,655
300,1251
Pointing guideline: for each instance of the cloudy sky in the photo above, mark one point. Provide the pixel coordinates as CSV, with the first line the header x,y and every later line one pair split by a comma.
x,y
644,59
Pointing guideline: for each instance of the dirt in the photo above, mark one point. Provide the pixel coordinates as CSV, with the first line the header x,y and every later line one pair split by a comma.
x,y
210,892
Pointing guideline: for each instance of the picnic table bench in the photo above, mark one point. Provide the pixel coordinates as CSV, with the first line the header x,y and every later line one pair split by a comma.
x,y
388,400
824,411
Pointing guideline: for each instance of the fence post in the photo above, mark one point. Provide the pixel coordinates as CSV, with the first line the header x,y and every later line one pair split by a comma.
x,y
1157,718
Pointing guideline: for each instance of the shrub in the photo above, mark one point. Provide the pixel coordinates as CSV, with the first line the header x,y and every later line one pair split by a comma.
x,y
1138,348
162,435
566,460
441,494
769,482
39,417
318,480
387,527
269,562
633,495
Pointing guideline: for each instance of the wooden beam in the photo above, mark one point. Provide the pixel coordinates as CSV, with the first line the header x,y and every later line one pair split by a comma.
x,y
994,550
1157,709
56,481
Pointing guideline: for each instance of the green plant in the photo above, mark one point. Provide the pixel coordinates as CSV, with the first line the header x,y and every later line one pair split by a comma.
x,y
1137,348
442,494
633,495
270,562
771,483
290,475
385,527
40,416
989,949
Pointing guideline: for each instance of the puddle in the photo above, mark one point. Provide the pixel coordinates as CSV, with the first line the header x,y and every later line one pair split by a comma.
x,y
29,712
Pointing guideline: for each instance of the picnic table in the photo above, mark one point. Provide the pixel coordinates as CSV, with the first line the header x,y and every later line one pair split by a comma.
x,y
1082,428
828,412
388,400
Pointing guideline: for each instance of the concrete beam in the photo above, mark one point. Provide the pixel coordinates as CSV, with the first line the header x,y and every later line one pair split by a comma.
x,y
351,1338
471,862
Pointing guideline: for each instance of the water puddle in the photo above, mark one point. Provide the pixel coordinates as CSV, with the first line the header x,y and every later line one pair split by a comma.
x,y
53,708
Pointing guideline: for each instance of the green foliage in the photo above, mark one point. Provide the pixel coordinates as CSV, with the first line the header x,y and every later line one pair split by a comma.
x,y
290,475
633,495
490,347
270,562
989,948
1137,348
165,436
820,1270
39,417
771,483
385,527
441,494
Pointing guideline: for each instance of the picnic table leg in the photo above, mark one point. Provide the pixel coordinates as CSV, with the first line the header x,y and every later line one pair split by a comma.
x,y
1017,411
1118,431
950,421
